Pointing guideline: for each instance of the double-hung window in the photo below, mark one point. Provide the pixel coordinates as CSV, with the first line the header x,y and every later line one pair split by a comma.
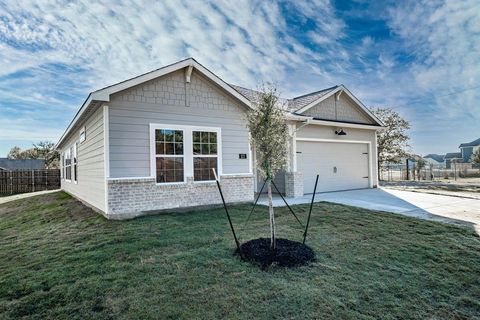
x,y
179,151
205,157
74,161
169,157
68,165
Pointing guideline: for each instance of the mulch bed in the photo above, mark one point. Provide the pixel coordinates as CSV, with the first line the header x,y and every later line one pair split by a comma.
x,y
287,254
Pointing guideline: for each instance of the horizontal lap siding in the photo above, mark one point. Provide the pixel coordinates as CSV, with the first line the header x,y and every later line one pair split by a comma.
x,y
169,100
91,168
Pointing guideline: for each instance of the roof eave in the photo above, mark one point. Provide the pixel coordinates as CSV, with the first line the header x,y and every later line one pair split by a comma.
x,y
103,95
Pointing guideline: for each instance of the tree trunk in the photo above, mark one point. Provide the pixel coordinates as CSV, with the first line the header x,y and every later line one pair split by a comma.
x,y
272,216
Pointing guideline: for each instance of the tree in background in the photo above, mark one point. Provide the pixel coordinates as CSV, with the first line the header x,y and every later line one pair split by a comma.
x,y
41,150
269,134
393,140
476,156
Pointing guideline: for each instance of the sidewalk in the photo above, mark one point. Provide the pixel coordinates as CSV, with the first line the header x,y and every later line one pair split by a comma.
x,y
25,195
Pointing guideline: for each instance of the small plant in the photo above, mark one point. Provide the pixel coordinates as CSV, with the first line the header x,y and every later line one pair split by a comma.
x,y
268,134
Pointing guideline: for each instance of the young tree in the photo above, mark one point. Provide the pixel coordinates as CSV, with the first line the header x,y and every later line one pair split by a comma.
x,y
269,134
393,140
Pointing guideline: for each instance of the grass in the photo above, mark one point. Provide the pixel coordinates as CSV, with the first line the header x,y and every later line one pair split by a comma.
x,y
58,259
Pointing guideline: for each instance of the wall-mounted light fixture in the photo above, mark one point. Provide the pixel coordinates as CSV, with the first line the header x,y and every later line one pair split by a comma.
x,y
340,132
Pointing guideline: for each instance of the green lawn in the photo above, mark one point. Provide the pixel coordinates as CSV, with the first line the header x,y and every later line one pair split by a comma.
x,y
58,259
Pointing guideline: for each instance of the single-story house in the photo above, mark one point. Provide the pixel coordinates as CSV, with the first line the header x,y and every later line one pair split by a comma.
x,y
436,160
452,157
7,164
149,143
469,148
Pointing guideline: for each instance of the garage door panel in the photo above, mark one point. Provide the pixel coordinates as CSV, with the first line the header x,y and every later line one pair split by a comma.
x,y
341,166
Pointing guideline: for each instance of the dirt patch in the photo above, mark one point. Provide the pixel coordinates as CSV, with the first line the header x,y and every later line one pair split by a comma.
x,y
287,254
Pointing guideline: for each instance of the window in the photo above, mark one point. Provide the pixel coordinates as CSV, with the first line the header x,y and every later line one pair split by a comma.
x,y
178,152
169,157
74,161
204,155
68,166
62,172
83,135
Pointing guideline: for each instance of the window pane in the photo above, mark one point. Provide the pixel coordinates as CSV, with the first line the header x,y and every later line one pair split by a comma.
x,y
196,136
196,148
205,148
204,137
169,169
178,148
213,148
169,134
178,136
159,135
160,148
169,148
202,168
213,137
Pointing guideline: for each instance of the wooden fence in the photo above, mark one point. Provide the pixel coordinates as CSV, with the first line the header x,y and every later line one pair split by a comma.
x,y
22,181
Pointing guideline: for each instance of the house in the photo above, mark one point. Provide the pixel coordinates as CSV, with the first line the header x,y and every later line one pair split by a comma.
x,y
452,157
149,143
469,148
436,160
7,164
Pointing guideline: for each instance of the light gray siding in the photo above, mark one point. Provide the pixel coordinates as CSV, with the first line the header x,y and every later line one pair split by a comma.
x,y
326,132
91,170
170,100
342,110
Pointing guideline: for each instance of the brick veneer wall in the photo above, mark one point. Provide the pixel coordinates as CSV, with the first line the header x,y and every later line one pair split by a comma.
x,y
293,184
128,198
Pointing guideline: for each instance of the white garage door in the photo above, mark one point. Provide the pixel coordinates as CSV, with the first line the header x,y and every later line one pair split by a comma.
x,y
341,166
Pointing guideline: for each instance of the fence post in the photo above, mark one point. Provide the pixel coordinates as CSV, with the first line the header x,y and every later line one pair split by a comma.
x,y
11,183
33,181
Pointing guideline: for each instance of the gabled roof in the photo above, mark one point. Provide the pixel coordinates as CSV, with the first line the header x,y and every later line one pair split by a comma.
x,y
300,102
453,155
474,143
436,157
103,95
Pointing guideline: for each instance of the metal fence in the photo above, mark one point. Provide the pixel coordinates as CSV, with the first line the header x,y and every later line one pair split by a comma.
x,y
399,172
22,181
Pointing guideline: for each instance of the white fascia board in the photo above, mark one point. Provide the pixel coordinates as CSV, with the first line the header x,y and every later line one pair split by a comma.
x,y
104,94
344,89
75,119
310,120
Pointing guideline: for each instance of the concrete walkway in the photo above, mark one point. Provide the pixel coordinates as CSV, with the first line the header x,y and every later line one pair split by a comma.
x,y
25,195
434,207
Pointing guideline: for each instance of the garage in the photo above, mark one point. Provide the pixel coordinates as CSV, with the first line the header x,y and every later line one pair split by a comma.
x,y
341,165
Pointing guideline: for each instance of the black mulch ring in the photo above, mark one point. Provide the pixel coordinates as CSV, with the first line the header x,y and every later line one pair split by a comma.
x,y
287,253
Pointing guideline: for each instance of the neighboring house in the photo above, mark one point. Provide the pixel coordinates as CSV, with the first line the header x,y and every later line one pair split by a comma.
x,y
452,156
149,143
436,160
7,164
469,148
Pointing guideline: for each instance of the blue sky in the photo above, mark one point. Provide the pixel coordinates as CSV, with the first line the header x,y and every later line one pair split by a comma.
x,y
421,58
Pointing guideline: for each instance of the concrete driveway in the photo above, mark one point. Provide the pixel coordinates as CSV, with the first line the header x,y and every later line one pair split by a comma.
x,y
456,210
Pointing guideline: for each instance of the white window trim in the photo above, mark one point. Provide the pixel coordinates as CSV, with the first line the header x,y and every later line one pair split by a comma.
x,y
67,151
187,150
74,175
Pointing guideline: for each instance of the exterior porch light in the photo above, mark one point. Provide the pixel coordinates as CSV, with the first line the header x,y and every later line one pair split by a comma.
x,y
340,132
